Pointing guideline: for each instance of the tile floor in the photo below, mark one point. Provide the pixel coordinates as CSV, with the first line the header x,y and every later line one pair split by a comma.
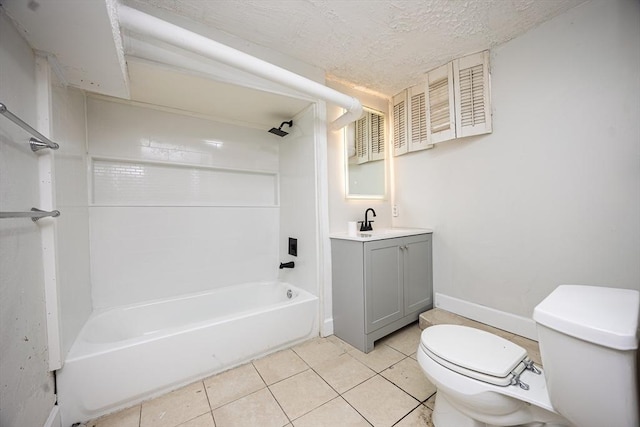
x,y
321,382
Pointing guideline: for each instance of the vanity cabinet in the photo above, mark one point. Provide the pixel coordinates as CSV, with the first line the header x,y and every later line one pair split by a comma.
x,y
379,286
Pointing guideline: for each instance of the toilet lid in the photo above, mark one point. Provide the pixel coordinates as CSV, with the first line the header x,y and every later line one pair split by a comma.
x,y
473,352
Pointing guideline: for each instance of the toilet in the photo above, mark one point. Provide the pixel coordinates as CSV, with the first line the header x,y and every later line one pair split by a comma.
x,y
588,337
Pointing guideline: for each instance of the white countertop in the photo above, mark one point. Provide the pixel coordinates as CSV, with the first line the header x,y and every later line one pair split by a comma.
x,y
383,233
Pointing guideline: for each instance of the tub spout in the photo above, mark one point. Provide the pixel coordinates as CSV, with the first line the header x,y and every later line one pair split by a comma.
x,y
289,264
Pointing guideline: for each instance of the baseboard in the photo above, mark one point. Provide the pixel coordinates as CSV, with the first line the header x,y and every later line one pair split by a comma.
x,y
500,319
327,327
54,419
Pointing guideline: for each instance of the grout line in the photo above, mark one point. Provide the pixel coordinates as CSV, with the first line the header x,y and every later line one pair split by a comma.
x,y
207,394
259,374
209,402
424,402
290,376
358,412
191,419
281,408
407,414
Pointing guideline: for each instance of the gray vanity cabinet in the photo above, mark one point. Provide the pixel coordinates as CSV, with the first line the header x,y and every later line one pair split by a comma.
x,y
379,286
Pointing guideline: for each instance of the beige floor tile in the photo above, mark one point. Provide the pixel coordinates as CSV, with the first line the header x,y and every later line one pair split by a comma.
x,y
317,351
337,412
380,402
408,375
176,407
437,316
302,393
125,418
205,420
380,358
279,366
232,385
419,417
256,409
344,372
532,347
405,340
487,328
342,344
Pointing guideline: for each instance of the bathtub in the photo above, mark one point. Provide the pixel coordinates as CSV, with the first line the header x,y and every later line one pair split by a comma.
x,y
127,354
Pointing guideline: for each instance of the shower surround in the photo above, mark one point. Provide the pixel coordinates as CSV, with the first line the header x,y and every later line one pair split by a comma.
x,y
178,204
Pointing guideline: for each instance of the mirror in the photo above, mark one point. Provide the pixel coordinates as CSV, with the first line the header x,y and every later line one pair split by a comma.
x,y
365,153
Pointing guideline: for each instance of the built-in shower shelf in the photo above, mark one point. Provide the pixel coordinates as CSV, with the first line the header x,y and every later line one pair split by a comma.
x,y
126,182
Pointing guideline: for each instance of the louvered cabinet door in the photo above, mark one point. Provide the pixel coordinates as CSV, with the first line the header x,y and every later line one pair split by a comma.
x,y
377,138
472,96
400,145
418,136
441,123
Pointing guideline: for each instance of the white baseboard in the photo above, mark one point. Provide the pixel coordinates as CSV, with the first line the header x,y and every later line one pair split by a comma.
x,y
327,327
500,319
54,419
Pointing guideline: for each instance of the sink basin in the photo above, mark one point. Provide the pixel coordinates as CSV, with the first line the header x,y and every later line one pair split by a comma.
x,y
380,234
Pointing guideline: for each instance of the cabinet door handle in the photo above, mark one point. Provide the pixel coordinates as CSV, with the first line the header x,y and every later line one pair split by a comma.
x,y
404,248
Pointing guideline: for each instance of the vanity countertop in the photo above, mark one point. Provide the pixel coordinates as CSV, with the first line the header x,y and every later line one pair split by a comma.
x,y
383,233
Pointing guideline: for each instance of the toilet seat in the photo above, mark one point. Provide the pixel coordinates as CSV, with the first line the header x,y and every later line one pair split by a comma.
x,y
493,360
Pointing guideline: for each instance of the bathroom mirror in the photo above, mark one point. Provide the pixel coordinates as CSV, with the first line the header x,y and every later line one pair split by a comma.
x,y
365,153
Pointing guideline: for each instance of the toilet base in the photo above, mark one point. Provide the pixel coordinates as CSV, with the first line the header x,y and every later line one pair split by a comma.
x,y
446,415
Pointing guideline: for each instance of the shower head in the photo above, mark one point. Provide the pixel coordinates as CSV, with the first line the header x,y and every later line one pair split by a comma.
x,y
279,131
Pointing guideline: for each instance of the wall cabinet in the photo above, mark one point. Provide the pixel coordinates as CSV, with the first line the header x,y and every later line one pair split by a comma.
x,y
453,102
379,286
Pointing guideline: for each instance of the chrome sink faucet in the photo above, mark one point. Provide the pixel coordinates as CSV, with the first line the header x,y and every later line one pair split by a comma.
x,y
366,224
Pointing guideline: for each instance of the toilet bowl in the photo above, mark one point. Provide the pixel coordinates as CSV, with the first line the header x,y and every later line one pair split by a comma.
x,y
482,379
588,343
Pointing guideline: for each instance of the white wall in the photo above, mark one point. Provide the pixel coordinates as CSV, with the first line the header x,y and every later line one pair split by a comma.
x,y
68,128
26,386
167,221
552,196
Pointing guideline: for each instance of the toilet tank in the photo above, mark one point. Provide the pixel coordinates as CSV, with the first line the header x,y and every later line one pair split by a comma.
x,y
588,338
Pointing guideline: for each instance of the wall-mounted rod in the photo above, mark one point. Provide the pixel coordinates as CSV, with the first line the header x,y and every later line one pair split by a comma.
x,y
142,23
36,144
34,214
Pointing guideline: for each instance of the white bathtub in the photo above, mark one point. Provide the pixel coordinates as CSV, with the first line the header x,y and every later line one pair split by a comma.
x,y
128,354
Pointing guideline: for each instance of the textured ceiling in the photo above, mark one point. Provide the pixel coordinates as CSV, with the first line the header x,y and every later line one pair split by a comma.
x,y
384,46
